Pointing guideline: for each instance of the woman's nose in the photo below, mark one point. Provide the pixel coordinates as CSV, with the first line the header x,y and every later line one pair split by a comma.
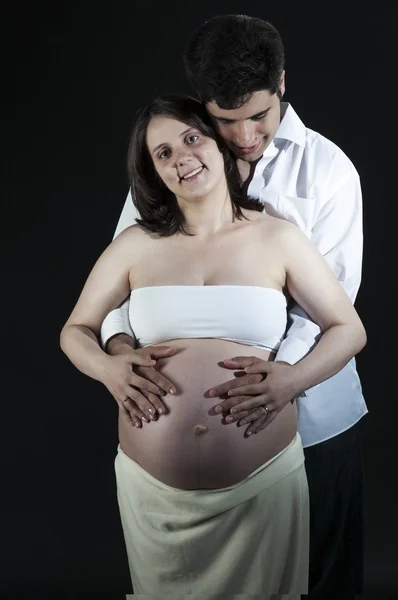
x,y
183,157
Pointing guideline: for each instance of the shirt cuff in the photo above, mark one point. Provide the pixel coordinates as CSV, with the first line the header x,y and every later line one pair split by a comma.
x,y
113,324
291,351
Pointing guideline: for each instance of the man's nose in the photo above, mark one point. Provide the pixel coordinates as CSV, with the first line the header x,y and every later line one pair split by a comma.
x,y
244,134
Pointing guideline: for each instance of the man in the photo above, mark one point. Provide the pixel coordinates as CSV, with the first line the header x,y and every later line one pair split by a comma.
x,y
236,66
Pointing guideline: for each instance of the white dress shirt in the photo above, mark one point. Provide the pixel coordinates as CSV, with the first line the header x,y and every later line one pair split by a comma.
x,y
306,179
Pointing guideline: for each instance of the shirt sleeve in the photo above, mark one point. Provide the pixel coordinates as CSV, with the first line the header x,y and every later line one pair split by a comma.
x,y
118,320
128,216
338,235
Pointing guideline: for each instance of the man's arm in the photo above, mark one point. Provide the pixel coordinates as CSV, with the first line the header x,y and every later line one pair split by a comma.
x,y
117,322
338,235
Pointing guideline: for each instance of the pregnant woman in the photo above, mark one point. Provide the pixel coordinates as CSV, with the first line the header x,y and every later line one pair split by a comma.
x,y
205,509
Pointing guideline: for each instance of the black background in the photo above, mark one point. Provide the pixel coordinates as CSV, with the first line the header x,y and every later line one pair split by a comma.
x,y
74,75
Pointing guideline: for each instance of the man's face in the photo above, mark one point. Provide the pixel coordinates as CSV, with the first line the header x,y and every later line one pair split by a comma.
x,y
248,130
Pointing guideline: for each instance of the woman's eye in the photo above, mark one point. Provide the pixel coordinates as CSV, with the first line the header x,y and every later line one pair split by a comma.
x,y
192,139
164,154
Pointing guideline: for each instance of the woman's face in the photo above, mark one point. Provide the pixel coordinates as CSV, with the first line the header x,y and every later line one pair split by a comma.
x,y
189,163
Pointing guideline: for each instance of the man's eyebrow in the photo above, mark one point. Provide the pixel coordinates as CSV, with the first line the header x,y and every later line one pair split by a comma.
x,y
163,143
259,114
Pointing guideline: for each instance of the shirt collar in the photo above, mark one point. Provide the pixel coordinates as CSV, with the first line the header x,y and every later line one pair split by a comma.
x,y
291,127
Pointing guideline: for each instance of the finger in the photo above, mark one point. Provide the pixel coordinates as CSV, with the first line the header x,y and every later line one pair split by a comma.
x,y
125,413
263,422
227,405
240,362
142,383
250,416
139,359
158,379
128,412
249,390
251,403
162,351
142,403
264,366
237,416
158,406
255,427
135,411
237,382
269,420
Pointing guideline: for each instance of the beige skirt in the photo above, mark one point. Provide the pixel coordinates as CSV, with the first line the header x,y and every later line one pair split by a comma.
x,y
249,538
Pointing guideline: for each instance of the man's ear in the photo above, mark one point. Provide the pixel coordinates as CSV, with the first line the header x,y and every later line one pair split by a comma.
x,y
282,84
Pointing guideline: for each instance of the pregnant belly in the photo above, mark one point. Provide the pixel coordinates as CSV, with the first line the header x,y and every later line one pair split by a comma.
x,y
191,447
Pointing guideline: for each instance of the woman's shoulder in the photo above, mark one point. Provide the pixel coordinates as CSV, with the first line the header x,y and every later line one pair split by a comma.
x,y
134,234
269,224
280,235
132,241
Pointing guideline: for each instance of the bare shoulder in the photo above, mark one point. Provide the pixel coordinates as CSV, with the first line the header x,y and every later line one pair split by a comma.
x,y
133,237
130,234
270,226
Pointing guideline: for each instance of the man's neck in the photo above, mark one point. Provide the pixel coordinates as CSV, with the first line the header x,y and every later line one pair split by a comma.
x,y
246,170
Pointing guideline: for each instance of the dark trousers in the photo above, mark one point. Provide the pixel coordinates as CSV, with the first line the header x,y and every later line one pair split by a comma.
x,y
335,481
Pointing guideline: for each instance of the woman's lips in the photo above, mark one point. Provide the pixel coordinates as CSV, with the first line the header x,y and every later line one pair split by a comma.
x,y
195,174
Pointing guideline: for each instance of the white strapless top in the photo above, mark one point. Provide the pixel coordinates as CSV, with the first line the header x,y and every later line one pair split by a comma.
x,y
251,315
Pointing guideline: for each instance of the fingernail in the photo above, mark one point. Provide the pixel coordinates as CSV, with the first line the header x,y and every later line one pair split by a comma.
x,y
244,422
150,410
144,419
233,410
211,393
171,391
229,419
160,411
218,409
249,432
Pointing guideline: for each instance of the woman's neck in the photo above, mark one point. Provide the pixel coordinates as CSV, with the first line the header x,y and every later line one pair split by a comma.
x,y
206,215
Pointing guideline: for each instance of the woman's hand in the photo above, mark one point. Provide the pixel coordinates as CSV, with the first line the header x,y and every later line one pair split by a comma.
x,y
267,386
136,385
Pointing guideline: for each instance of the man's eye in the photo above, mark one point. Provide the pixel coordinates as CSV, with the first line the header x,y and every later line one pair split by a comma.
x,y
259,117
192,139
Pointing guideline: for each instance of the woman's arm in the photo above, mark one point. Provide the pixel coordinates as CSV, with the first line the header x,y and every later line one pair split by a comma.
x,y
313,285
106,287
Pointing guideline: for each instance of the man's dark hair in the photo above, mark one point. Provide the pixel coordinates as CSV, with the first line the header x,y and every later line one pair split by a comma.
x,y
156,204
230,57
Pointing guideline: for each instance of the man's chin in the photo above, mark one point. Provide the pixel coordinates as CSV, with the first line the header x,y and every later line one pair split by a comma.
x,y
250,156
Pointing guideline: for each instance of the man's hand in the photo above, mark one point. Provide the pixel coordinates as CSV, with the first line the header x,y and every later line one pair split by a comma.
x,y
136,385
266,387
